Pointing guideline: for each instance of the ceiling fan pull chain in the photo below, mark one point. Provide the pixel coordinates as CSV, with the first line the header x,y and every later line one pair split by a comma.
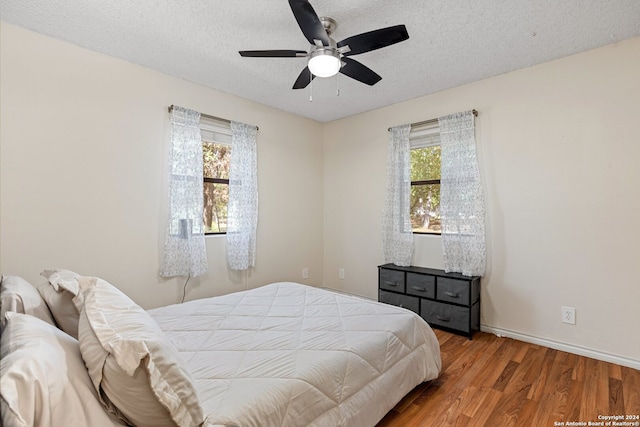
x,y
311,88
337,84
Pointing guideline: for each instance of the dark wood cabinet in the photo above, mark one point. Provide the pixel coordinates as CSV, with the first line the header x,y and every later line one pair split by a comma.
x,y
448,301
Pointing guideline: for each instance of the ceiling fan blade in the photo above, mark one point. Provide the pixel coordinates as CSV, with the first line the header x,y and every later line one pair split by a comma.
x,y
375,39
303,79
273,53
362,73
309,22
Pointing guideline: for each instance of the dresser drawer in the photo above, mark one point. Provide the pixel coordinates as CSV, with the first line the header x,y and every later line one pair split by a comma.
x,y
453,290
449,316
421,285
406,301
392,280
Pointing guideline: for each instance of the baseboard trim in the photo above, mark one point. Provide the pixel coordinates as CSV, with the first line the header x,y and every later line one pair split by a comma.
x,y
348,293
569,348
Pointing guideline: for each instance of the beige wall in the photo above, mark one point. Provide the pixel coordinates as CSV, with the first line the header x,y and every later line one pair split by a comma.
x,y
559,153
83,150
83,185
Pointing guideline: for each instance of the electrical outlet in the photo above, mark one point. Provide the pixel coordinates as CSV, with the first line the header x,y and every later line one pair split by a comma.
x,y
305,273
341,273
569,315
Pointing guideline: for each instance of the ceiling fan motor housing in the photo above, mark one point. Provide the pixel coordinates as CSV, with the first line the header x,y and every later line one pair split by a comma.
x,y
329,24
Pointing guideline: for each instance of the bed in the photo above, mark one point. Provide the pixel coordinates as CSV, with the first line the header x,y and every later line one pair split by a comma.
x,y
284,354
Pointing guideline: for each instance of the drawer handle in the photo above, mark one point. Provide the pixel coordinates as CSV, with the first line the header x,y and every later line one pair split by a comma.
x,y
452,294
443,319
418,288
391,284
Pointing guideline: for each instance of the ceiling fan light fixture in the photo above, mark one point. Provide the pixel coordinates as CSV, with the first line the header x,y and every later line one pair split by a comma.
x,y
324,62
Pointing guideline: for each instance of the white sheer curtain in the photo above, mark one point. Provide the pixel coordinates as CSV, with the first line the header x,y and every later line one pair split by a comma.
x,y
184,250
461,197
397,235
242,219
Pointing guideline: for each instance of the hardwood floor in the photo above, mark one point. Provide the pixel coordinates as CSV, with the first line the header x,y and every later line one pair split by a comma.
x,y
493,381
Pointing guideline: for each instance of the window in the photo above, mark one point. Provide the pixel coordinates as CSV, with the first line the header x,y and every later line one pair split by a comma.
x,y
216,153
425,178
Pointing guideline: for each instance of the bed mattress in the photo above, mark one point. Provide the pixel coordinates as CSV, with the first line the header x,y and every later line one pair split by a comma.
x,y
287,354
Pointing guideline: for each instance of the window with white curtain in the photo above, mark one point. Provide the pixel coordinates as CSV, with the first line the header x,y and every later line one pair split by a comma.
x,y
230,187
216,156
210,191
462,210
397,238
445,195
243,197
184,250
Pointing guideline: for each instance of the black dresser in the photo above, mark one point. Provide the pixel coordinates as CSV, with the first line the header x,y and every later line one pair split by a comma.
x,y
448,301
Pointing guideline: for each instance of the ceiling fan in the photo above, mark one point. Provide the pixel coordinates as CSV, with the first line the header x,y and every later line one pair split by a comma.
x,y
326,57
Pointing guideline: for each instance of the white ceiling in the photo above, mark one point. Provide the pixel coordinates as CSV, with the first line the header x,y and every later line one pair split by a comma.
x,y
452,42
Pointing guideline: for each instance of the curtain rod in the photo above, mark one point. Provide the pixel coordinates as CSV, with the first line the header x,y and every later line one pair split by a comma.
x,y
211,117
432,121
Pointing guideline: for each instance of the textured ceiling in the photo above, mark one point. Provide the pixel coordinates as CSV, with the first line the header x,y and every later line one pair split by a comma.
x,y
451,42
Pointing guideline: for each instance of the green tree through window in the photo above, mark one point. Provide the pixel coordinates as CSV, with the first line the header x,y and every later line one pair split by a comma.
x,y
425,189
215,159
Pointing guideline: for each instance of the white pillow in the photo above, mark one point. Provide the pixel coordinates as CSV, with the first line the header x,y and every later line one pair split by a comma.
x,y
43,379
62,279
131,360
58,292
18,295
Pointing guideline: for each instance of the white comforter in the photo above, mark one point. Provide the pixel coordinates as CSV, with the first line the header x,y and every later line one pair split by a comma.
x,y
287,354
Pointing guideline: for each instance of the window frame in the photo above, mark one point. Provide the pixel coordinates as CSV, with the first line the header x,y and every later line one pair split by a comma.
x,y
423,135
215,128
213,181
427,182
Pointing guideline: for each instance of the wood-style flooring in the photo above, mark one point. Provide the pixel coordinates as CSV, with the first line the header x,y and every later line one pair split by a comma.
x,y
491,381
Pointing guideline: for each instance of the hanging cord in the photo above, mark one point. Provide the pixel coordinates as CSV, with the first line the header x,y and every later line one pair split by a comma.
x,y
311,88
337,85
184,289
